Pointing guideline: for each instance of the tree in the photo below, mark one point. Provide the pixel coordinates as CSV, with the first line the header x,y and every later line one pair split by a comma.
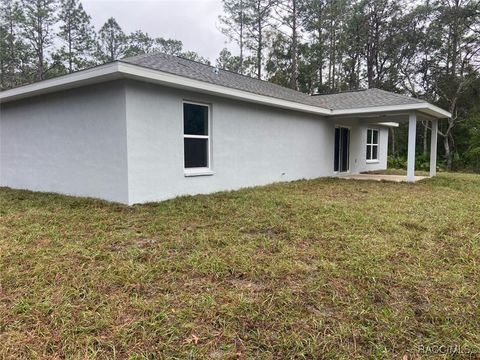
x,y
279,60
192,55
258,19
352,40
138,43
289,18
455,65
380,30
227,61
36,23
13,49
313,18
233,25
77,34
141,43
169,46
112,42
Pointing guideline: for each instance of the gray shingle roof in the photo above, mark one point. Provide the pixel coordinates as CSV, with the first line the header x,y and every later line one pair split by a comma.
x,y
363,98
198,71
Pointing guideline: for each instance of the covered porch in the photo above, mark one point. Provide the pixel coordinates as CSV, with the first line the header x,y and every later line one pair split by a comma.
x,y
392,119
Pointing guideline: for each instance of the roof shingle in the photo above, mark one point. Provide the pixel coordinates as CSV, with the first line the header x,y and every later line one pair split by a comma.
x,y
198,71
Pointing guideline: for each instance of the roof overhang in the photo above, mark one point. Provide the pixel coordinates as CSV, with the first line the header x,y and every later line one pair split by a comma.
x,y
120,70
423,107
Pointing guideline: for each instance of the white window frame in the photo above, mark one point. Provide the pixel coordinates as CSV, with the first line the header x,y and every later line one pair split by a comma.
x,y
198,171
371,144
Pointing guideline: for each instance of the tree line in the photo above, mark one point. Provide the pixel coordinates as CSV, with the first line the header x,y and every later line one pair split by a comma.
x,y
41,39
428,49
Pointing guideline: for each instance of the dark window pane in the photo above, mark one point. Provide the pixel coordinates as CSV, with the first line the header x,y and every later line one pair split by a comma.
x,y
195,119
337,150
196,153
369,136
374,152
368,153
375,137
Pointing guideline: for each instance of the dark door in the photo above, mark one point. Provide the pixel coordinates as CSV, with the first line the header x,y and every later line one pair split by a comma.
x,y
342,149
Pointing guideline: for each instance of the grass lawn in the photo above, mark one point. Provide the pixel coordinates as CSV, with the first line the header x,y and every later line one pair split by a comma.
x,y
328,268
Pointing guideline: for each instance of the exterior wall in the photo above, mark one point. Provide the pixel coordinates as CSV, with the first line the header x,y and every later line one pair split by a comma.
x,y
251,144
71,142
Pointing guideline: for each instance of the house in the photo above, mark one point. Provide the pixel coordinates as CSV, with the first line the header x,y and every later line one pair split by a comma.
x,y
155,126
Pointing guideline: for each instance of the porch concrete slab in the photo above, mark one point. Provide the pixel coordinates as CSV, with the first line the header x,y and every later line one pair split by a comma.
x,y
381,177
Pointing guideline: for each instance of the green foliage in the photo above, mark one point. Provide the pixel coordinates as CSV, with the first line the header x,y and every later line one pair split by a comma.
x,y
422,162
112,42
426,49
396,162
192,55
227,61
31,49
77,34
36,22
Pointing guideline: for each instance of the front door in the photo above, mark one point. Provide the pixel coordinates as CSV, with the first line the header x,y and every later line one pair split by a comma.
x,y
342,149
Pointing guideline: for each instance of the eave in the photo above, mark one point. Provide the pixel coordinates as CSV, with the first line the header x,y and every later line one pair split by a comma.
x,y
119,70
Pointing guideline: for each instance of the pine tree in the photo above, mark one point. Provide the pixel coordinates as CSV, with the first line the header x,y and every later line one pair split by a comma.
x,y
258,19
77,34
112,42
233,25
169,46
288,14
314,17
139,43
227,61
11,45
192,55
36,23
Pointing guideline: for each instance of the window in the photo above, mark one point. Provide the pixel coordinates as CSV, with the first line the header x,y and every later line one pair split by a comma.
x,y
372,145
196,141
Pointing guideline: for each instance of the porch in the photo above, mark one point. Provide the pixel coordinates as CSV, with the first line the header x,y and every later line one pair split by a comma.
x,y
391,119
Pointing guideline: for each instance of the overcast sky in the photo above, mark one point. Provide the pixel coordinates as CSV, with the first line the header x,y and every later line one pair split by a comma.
x,y
194,22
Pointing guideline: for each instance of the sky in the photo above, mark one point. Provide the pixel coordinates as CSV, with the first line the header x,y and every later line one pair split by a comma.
x,y
194,22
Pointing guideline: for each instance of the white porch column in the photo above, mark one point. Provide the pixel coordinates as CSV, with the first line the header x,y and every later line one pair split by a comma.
x,y
412,135
433,148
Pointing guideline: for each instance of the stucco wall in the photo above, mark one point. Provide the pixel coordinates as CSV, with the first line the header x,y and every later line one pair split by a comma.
x,y
71,142
251,144
123,141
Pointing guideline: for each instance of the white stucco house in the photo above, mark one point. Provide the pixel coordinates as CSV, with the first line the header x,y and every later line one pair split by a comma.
x,y
156,126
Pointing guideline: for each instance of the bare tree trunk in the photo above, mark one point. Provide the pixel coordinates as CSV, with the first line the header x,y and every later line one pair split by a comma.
x,y
259,52
448,152
320,65
393,142
425,138
260,40
241,37
294,75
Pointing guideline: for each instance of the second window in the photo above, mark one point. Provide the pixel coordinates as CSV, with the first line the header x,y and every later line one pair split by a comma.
x,y
372,145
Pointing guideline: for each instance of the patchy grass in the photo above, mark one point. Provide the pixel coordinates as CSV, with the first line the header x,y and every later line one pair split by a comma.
x,y
327,268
